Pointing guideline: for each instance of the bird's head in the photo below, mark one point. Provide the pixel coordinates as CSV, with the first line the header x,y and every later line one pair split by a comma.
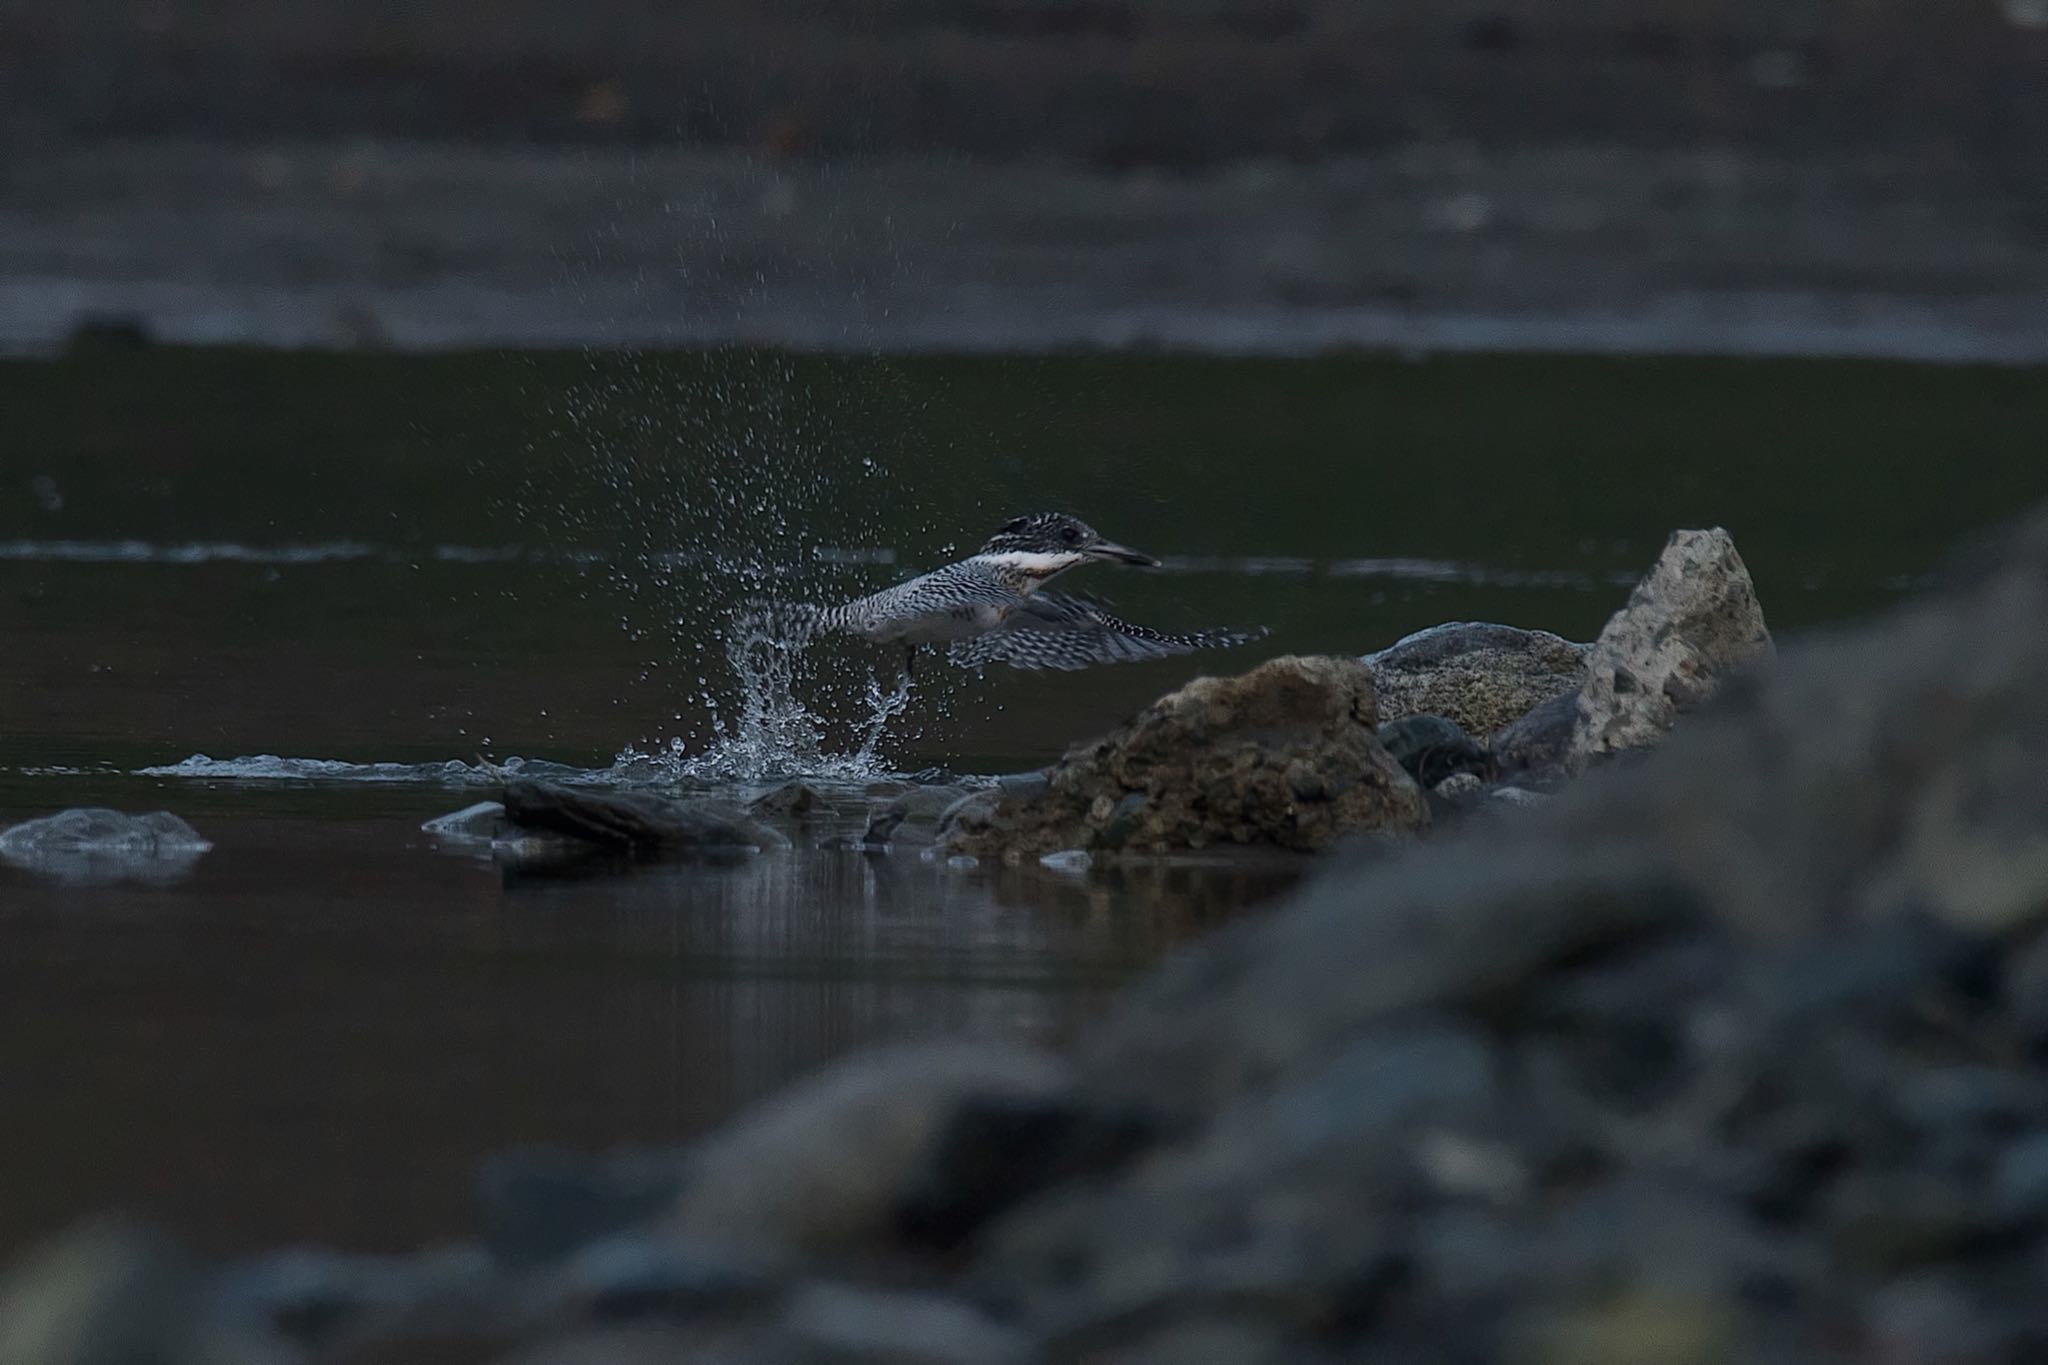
x,y
1047,542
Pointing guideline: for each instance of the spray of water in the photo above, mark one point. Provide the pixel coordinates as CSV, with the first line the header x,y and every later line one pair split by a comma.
x,y
698,484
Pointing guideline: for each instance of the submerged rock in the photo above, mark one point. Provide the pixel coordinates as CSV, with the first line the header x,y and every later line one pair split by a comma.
x,y
1693,622
1480,675
98,846
1284,755
912,817
632,821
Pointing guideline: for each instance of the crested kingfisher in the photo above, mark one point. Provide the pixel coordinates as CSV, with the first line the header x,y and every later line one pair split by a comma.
x,y
988,608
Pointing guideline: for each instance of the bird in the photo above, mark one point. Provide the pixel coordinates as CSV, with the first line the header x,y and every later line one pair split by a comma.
x,y
991,607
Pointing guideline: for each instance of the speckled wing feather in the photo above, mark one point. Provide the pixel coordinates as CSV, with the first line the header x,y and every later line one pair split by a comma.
x,y
1053,630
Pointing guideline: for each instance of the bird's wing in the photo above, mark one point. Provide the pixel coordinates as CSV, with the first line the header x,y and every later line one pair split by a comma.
x,y
1055,630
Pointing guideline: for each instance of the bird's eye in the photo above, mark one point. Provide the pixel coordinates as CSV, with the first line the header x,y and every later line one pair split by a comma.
x,y
1070,535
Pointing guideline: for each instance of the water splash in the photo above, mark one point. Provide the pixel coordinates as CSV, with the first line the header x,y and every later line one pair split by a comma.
x,y
774,732
713,480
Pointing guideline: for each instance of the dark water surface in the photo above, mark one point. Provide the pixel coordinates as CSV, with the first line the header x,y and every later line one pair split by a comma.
x,y
414,561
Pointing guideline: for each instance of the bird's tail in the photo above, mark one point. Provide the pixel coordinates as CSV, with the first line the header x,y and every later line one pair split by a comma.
x,y
792,623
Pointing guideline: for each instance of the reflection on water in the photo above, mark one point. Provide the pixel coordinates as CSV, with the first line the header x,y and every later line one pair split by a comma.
x,y
295,599
317,1033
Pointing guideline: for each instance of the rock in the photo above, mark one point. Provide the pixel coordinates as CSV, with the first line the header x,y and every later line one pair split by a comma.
x,y
1419,932
656,1342
100,847
316,1298
1034,783
1692,622
994,1151
972,810
2019,1181
1210,1339
1432,748
913,816
539,1205
632,821
1941,1318
1460,789
107,1293
824,1168
1642,1328
1479,675
1304,1179
1888,1221
482,823
1538,747
795,799
1284,755
630,1276
910,1329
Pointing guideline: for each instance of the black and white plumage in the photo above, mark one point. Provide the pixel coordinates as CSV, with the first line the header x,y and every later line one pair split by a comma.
x,y
988,608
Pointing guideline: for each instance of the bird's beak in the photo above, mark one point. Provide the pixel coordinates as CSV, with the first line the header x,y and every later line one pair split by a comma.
x,y
1122,554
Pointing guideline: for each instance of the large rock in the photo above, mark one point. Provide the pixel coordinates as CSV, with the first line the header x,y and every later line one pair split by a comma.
x,y
1481,675
1690,624
1283,756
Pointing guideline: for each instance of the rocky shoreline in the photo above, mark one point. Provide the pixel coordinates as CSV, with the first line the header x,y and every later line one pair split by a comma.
x,y
1730,1051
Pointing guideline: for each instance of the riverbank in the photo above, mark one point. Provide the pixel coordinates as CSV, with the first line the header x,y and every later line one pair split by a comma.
x,y
1586,247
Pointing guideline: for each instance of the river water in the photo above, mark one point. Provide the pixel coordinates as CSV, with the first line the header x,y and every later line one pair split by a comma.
x,y
292,598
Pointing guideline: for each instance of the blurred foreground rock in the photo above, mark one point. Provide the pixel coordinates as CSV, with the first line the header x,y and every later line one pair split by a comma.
x,y
107,1293
1735,1053
1284,756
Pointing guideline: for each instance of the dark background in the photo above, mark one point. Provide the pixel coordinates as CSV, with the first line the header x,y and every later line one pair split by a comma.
x,y
1249,175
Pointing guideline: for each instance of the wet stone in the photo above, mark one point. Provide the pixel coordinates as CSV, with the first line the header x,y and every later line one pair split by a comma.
x,y
793,800
1537,748
1034,783
1433,748
631,821
912,817
97,846
1222,761
482,823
